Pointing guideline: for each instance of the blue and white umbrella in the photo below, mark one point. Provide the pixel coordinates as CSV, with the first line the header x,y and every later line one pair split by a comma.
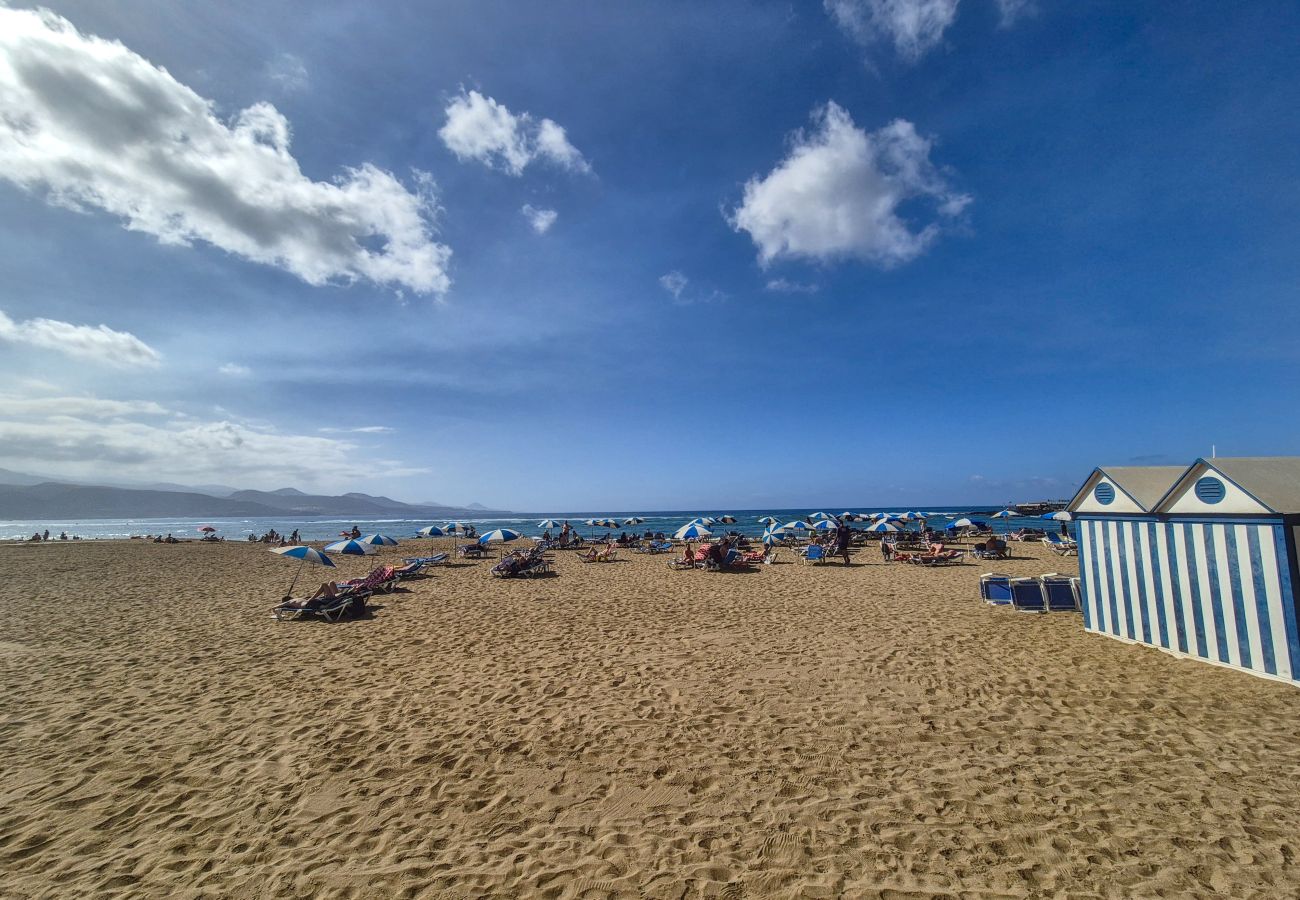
x,y
633,520
690,531
500,535
767,520
888,517
351,547
797,525
821,515
772,535
826,525
431,531
962,523
456,528
882,526
1005,514
548,523
378,540
1059,515
306,555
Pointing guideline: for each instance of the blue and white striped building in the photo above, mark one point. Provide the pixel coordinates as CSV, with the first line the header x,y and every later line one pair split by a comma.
x,y
1199,561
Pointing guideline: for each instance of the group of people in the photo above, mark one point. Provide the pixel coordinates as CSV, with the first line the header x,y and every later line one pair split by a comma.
x,y
39,536
274,537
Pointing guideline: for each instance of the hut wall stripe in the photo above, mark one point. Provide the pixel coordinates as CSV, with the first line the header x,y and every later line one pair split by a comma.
x,y
1146,563
1137,609
1160,563
1101,601
1117,581
1086,584
1247,625
1201,571
1261,649
1221,589
1182,610
1286,589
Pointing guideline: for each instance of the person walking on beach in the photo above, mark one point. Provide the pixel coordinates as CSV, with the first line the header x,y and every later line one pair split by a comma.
x,y
843,535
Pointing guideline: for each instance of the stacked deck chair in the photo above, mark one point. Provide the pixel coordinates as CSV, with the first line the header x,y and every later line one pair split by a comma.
x,y
1058,592
1028,595
995,588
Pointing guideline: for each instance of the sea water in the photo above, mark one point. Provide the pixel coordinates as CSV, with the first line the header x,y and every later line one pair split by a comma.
x,y
321,528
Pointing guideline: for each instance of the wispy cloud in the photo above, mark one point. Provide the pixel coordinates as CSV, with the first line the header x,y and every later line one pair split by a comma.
x,y
96,126
912,26
364,429
540,220
98,343
679,286
839,191
674,282
782,286
480,128
234,370
1012,11
289,72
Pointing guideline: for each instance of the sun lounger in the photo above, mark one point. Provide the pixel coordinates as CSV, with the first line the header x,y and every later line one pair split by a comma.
x,y
1076,589
1058,592
523,564
995,588
1027,595
437,559
1062,547
813,553
381,580
331,609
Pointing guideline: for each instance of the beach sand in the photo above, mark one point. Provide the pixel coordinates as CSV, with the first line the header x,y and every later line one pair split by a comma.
x,y
617,730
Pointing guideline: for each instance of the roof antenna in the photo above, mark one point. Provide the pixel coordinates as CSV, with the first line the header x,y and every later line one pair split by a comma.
x,y
1213,452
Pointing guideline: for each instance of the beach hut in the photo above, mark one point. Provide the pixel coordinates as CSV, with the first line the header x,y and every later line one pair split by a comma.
x,y
1199,561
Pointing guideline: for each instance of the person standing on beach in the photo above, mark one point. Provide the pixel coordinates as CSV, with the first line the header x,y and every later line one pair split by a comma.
x,y
843,535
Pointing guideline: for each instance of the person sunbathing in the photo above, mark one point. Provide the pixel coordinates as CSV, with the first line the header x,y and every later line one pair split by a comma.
x,y
327,591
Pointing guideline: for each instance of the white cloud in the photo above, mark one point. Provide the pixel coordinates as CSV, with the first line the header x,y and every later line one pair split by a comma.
x,y
234,370
98,343
289,72
94,125
839,191
674,283
541,220
79,437
480,128
1012,11
912,26
782,286
364,429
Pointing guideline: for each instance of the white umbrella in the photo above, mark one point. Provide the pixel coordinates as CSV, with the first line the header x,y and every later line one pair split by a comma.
x,y
548,523
767,520
1060,516
962,523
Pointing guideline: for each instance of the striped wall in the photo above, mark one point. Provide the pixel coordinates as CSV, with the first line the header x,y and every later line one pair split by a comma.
x,y
1220,591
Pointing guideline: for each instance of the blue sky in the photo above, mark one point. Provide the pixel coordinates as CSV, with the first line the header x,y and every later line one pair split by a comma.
x,y
586,256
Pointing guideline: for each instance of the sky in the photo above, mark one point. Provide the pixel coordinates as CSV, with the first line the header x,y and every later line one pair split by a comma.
x,y
584,256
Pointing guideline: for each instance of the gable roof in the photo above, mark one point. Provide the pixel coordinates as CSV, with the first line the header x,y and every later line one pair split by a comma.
x,y
1143,484
1274,481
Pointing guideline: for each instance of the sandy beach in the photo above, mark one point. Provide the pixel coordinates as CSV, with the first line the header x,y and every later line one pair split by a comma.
x,y
617,730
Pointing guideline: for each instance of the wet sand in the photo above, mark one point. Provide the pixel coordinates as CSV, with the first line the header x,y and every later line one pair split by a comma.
x,y
617,730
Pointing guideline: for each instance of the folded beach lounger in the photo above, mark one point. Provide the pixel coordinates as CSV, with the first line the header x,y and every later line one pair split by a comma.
x,y
1058,592
1027,595
995,588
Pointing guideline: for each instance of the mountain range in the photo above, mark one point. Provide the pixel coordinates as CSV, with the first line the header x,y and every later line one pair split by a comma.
x,y
25,496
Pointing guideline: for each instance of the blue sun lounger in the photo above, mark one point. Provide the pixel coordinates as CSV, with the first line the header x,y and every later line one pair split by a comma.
x,y
995,589
1027,595
1059,592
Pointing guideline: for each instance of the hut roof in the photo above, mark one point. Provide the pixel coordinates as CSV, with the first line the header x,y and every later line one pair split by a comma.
x,y
1273,481
1144,484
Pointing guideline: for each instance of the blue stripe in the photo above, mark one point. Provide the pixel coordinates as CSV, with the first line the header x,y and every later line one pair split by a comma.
x,y
1175,587
1216,601
1194,588
1165,626
1121,559
1141,598
1288,599
1261,602
1238,598
1110,583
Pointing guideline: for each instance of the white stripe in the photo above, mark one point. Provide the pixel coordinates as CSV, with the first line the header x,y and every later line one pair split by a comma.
x,y
1245,573
1226,599
1149,582
1131,570
1273,591
1103,556
1182,559
1123,630
1167,594
1085,573
1203,581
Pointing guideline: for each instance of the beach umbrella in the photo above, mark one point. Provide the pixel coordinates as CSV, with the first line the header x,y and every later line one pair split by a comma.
x,y
1005,514
431,531
881,526
821,515
351,547
727,520
797,525
455,528
500,534
206,529
306,555
378,540
1059,515
690,531
962,523
826,525
548,523
767,520
633,520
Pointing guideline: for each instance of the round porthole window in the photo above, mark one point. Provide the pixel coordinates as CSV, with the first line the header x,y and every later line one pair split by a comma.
x,y
1210,489
1105,493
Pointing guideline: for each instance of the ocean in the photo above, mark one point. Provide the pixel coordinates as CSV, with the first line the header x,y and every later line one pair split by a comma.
x,y
329,528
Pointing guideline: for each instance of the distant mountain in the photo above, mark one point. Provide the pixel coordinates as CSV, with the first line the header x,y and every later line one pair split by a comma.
x,y
476,506
57,500
8,476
